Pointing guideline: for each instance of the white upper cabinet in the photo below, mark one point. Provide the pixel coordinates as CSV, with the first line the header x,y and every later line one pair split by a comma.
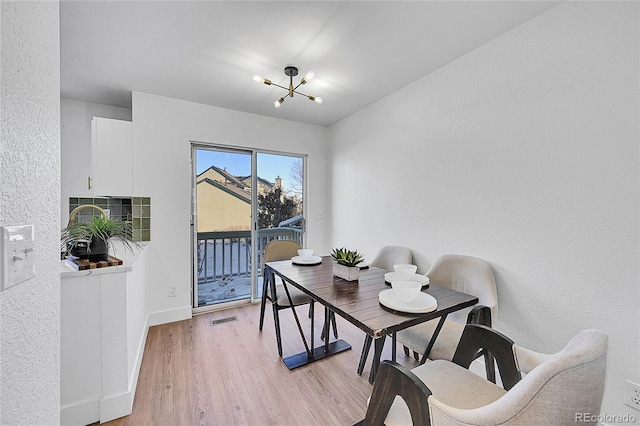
x,y
111,157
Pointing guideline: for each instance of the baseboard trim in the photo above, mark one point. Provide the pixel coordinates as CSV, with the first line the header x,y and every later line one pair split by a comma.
x,y
114,407
81,413
170,315
133,379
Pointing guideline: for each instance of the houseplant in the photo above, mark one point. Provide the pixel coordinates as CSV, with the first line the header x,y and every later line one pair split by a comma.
x,y
346,263
91,240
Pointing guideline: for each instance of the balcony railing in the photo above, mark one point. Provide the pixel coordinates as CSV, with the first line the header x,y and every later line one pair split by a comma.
x,y
223,255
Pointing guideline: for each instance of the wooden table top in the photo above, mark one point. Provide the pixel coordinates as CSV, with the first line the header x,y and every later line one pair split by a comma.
x,y
357,301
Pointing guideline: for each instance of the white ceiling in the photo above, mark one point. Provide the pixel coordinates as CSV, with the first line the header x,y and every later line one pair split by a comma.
x,y
208,51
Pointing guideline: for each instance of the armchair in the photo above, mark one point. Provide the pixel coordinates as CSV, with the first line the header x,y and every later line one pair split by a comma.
x,y
554,391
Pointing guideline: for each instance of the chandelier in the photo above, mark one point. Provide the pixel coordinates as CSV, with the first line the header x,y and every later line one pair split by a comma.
x,y
291,72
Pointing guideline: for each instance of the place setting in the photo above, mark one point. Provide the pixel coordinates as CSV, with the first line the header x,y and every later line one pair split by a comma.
x,y
406,272
305,257
405,294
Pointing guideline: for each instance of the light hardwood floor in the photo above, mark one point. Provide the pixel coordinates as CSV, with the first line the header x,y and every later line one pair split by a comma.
x,y
195,373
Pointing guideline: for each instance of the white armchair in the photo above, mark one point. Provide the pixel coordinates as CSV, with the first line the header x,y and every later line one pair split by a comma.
x,y
556,389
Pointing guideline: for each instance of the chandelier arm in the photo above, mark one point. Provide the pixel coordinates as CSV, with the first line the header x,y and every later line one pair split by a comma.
x,y
300,93
282,87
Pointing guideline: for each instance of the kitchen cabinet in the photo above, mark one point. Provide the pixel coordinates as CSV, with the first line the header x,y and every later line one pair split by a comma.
x,y
111,157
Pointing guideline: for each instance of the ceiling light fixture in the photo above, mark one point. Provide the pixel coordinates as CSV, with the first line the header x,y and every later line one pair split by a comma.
x,y
290,71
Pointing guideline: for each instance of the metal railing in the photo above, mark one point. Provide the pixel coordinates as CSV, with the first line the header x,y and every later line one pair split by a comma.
x,y
223,255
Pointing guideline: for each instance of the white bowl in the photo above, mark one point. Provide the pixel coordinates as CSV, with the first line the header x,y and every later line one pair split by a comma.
x,y
305,253
405,271
406,291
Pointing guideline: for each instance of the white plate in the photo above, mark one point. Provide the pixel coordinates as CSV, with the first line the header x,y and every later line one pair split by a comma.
x,y
362,265
393,276
421,304
313,260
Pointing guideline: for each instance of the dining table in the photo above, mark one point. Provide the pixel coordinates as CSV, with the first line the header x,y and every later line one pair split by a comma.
x,y
357,302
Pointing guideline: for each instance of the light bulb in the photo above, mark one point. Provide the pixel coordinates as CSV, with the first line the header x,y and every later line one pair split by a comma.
x,y
277,103
308,77
257,78
318,99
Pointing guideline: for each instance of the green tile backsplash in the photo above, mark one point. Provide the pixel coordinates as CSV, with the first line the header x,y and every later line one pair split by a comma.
x,y
135,210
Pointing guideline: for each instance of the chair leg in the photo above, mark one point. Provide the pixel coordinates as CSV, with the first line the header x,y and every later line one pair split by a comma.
x,y
416,356
276,321
406,350
365,353
263,303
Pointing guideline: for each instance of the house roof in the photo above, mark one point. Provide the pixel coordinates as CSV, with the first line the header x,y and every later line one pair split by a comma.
x,y
229,189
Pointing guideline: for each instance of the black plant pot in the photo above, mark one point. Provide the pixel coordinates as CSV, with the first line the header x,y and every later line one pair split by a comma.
x,y
78,248
98,250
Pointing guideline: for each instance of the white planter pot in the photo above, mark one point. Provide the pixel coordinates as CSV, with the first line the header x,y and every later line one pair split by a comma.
x,y
348,273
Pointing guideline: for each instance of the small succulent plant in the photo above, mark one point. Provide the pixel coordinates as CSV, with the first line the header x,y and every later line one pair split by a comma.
x,y
346,257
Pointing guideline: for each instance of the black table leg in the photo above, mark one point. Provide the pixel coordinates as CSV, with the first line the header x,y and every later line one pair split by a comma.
x,y
433,339
312,354
377,353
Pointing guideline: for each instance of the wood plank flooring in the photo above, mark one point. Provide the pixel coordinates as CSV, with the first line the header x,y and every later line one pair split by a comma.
x,y
195,373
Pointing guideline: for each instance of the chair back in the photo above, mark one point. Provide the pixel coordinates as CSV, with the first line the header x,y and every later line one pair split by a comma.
x,y
392,255
280,250
563,386
466,274
560,389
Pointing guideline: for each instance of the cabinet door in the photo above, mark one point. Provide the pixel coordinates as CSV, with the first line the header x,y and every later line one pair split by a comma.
x,y
111,157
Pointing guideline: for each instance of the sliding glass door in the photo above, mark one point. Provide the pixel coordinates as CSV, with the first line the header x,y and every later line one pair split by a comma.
x,y
241,199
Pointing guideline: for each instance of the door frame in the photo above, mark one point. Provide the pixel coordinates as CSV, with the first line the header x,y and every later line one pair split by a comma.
x,y
253,152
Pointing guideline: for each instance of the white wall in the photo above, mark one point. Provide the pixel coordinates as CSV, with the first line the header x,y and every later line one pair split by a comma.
x,y
524,152
75,132
30,194
163,129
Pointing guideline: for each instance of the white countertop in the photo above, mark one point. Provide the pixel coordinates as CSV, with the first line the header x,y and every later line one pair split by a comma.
x,y
117,250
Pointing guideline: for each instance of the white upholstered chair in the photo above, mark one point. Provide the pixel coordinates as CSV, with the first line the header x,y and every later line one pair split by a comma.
x,y
555,389
462,273
386,257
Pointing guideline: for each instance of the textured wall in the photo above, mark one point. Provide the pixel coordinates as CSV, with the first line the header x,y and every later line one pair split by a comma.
x,y
30,194
523,152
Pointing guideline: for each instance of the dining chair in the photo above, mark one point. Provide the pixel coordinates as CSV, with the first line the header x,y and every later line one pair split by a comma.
x,y
386,257
466,274
556,389
274,292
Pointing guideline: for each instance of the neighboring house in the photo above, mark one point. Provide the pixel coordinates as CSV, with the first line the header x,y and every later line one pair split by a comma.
x,y
224,200
264,185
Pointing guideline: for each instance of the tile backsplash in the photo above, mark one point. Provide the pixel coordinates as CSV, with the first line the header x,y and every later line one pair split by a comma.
x,y
134,210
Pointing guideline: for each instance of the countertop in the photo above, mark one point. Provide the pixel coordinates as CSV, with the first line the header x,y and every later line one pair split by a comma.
x,y
117,250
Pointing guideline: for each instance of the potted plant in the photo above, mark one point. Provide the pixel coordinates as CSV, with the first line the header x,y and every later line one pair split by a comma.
x,y
92,240
346,263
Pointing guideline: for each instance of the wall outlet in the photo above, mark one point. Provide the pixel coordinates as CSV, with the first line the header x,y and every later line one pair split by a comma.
x,y
632,395
320,215
173,291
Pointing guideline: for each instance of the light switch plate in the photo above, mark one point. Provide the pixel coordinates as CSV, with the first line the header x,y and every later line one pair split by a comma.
x,y
17,247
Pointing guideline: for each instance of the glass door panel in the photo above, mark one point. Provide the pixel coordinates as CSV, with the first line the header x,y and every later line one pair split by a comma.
x,y
280,183
222,222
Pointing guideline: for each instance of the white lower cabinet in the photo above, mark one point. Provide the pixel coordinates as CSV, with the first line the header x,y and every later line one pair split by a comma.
x,y
102,334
